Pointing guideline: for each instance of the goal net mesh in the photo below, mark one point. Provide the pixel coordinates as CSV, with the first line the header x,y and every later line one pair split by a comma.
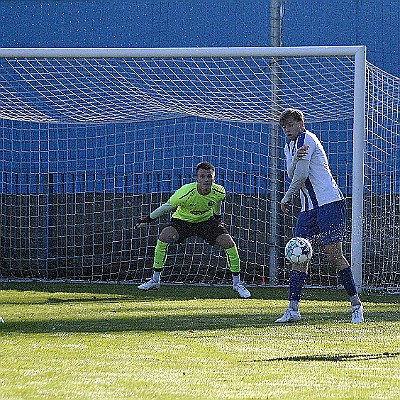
x,y
90,144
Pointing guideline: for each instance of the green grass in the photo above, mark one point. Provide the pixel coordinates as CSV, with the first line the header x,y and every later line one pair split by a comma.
x,y
81,341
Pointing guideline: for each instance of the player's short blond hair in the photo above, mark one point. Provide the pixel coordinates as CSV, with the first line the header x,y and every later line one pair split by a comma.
x,y
291,112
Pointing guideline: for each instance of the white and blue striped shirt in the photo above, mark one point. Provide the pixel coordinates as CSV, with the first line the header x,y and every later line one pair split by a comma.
x,y
311,175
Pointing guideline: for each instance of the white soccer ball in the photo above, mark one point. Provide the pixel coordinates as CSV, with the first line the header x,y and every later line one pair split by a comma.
x,y
298,250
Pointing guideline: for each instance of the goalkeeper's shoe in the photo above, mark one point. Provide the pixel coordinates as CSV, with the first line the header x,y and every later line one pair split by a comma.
x,y
357,314
290,316
151,284
241,289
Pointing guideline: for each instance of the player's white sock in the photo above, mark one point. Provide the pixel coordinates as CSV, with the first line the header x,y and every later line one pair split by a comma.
x,y
294,305
355,300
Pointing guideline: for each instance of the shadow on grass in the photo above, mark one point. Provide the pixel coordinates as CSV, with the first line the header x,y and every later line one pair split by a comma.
x,y
151,323
130,292
109,321
329,357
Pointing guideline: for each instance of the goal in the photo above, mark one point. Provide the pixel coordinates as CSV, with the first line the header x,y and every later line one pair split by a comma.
x,y
94,138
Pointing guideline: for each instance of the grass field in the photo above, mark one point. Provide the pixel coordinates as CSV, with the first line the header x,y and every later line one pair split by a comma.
x,y
84,341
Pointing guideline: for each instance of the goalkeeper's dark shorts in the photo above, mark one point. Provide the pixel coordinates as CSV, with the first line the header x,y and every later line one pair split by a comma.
x,y
208,230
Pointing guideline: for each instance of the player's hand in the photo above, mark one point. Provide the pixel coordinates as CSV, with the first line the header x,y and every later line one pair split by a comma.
x,y
286,207
302,151
143,221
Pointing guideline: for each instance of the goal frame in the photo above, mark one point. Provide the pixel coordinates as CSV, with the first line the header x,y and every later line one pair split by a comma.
x,y
359,123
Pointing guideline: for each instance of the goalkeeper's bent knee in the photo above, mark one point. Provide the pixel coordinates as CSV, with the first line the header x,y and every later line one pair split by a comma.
x,y
160,254
233,259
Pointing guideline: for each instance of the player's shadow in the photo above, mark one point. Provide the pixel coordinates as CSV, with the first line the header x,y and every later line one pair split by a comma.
x,y
328,357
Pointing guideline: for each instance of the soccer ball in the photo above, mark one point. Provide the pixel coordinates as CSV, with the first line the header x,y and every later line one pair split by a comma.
x,y
298,250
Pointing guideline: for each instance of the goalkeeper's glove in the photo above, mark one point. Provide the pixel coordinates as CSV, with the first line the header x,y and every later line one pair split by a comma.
x,y
143,221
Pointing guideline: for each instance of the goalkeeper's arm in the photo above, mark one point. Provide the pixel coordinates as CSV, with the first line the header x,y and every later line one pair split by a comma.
x,y
162,210
158,212
217,210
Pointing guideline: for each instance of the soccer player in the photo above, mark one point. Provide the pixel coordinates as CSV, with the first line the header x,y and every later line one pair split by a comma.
x,y
323,210
197,212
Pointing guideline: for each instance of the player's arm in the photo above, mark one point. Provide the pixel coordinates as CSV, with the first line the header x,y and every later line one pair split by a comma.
x,y
157,213
300,174
300,154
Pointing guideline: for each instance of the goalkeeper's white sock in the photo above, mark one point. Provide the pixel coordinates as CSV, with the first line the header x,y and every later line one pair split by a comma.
x,y
156,276
235,279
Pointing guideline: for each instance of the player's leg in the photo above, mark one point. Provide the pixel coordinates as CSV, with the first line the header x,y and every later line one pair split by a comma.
x,y
332,222
334,253
306,227
232,255
168,235
297,279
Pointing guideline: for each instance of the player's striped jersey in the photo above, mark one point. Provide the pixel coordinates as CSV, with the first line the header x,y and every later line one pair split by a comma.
x,y
191,206
320,187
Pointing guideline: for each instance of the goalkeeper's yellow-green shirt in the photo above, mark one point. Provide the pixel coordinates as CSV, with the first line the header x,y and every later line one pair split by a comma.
x,y
191,206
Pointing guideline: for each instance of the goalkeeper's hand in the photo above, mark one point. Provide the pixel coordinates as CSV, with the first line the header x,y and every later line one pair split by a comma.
x,y
143,221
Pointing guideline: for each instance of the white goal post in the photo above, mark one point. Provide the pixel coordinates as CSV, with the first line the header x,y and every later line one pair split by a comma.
x,y
76,100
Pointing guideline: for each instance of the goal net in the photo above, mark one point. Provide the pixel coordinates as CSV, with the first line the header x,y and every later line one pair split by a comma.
x,y
94,138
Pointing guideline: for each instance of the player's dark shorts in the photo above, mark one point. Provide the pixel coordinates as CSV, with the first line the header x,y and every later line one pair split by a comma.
x,y
326,223
208,230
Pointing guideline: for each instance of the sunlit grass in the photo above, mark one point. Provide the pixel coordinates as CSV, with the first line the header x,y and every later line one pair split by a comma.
x,y
85,341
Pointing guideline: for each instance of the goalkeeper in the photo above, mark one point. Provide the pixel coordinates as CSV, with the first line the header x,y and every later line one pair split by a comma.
x,y
197,212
